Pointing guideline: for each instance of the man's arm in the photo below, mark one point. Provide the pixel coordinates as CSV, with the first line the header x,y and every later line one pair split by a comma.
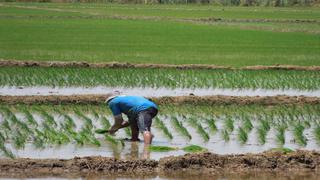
x,y
118,124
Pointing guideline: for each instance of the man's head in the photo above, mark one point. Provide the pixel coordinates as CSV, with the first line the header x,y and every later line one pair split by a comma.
x,y
112,96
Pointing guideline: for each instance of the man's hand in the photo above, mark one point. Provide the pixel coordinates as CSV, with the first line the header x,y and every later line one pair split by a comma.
x,y
116,127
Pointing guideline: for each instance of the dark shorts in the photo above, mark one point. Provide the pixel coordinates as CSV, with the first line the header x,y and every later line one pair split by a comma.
x,y
144,119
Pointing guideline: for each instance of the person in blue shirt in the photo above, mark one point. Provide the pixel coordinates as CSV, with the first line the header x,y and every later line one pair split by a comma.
x,y
140,112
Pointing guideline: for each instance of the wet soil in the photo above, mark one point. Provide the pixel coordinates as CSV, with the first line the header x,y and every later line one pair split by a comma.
x,y
176,100
208,163
15,63
267,161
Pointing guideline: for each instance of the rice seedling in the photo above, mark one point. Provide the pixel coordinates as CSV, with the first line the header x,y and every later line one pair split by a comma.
x,y
14,120
299,137
161,148
316,133
180,128
5,151
68,122
105,123
2,138
110,139
262,133
5,125
53,136
39,139
95,114
68,128
87,121
87,136
19,140
269,79
247,125
229,124
194,148
47,117
30,118
20,130
193,122
280,135
225,135
242,135
212,125
163,127
265,125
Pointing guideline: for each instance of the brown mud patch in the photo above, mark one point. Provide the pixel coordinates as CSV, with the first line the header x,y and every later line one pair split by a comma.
x,y
208,163
175,100
72,167
16,63
266,161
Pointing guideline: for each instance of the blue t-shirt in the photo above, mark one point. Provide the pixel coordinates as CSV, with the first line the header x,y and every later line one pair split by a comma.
x,y
130,105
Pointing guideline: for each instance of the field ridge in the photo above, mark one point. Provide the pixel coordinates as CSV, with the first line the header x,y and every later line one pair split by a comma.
x,y
210,163
115,64
178,100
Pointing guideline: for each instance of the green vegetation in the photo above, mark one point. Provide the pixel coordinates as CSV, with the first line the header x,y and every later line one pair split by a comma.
x,y
228,123
280,136
299,137
161,148
200,130
283,150
194,148
225,135
162,34
180,128
212,125
153,10
317,133
101,131
47,125
170,78
159,124
247,125
242,135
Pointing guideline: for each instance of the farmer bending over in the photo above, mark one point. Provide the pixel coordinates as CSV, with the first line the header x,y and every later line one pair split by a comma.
x,y
140,112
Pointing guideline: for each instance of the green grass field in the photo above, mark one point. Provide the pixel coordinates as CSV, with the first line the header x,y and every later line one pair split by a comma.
x,y
87,32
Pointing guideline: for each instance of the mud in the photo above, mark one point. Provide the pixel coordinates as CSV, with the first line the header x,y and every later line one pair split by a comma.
x,y
208,163
72,167
16,63
267,161
177,100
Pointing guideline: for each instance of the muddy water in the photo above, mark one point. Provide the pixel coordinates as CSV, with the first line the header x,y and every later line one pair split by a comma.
x,y
154,92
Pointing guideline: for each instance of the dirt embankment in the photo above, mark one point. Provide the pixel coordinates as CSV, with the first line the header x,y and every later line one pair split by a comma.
x,y
267,161
73,167
204,162
176,100
15,63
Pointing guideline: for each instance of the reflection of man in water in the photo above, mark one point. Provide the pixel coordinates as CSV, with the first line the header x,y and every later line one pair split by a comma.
x,y
140,112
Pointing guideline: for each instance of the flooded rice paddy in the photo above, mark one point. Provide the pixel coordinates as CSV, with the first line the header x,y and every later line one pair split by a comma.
x,y
67,131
